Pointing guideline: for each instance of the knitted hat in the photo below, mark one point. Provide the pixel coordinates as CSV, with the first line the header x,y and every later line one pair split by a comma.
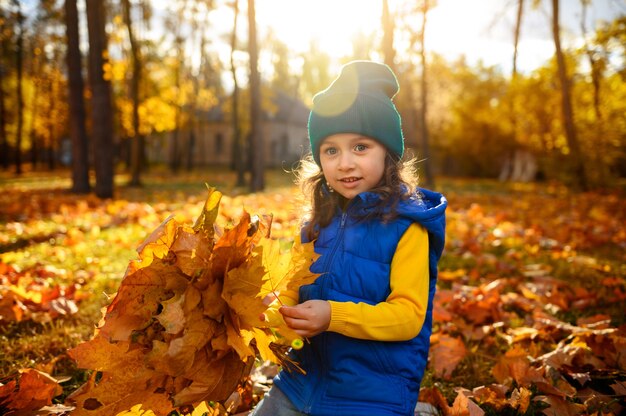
x,y
358,101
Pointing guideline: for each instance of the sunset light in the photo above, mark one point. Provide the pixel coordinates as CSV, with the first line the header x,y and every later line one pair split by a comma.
x,y
333,24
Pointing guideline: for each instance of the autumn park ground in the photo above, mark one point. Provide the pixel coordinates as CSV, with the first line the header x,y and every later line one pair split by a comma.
x,y
529,316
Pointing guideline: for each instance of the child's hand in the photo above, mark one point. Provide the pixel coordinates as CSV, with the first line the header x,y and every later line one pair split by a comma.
x,y
309,318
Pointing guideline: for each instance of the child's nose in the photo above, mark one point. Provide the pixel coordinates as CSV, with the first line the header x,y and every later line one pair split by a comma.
x,y
346,161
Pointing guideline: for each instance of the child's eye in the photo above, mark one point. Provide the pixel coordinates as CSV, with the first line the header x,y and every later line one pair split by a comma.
x,y
330,151
360,147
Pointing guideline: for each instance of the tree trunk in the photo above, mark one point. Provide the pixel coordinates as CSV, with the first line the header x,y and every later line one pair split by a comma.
x,y
506,173
4,144
238,157
78,131
387,44
19,89
596,78
102,108
191,141
578,168
137,139
52,133
257,179
175,152
34,138
518,28
596,74
428,171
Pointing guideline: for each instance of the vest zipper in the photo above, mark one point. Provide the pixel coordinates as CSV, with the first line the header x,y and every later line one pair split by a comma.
x,y
326,268
342,225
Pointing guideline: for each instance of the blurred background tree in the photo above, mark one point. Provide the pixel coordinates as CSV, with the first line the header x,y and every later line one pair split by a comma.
x,y
181,80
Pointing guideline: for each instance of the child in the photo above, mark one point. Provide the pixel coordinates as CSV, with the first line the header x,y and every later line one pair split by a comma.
x,y
367,318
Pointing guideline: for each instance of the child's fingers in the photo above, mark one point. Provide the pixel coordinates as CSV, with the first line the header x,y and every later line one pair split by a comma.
x,y
293,312
295,318
300,326
307,319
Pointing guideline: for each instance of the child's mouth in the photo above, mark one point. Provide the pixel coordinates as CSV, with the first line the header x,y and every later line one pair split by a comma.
x,y
348,180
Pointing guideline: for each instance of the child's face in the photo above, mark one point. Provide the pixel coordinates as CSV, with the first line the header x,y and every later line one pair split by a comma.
x,y
352,163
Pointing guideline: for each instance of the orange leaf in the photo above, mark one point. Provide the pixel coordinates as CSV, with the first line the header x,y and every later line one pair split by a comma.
x,y
32,390
433,396
560,407
520,399
172,317
138,298
493,395
235,245
464,406
112,395
515,365
192,250
446,353
214,380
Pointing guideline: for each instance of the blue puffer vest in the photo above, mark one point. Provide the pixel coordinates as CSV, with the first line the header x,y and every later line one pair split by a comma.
x,y
347,376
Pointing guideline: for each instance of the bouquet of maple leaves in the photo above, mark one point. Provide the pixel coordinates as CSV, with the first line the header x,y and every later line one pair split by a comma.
x,y
184,325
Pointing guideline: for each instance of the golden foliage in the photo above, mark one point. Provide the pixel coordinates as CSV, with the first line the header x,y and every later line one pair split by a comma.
x,y
184,325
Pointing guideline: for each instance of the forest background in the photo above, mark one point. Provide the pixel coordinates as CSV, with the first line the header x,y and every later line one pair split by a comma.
x,y
108,76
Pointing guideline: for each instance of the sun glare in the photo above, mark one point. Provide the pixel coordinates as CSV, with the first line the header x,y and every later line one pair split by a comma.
x,y
484,33
332,24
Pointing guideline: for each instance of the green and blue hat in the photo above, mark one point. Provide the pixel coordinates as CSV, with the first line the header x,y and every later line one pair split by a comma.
x,y
358,101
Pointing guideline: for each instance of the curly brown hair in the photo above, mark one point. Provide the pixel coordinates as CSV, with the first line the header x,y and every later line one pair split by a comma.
x,y
398,183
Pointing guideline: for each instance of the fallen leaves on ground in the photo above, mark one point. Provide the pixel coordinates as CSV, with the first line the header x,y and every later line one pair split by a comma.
x,y
504,311
40,293
30,391
528,317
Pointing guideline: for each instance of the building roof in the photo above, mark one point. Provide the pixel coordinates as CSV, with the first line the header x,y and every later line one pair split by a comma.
x,y
289,109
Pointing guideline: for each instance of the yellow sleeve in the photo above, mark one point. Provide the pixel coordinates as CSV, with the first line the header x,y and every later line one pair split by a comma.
x,y
402,315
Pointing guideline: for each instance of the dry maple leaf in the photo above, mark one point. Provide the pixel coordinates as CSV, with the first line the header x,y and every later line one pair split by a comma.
x,y
32,390
267,271
494,396
559,406
184,324
520,399
515,365
463,405
446,353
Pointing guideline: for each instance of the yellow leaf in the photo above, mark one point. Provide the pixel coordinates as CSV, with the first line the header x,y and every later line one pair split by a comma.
x,y
157,245
207,218
136,411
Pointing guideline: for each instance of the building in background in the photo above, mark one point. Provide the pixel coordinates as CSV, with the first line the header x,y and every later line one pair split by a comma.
x,y
208,140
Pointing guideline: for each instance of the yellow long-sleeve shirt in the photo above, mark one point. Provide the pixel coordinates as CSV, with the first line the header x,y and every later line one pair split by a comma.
x,y
401,316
